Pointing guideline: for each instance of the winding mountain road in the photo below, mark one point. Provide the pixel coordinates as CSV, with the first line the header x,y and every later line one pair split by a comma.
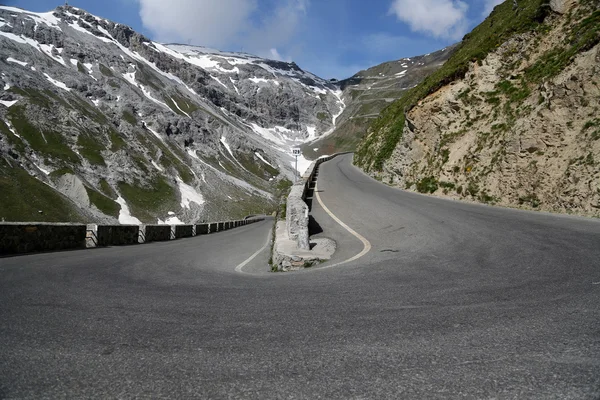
x,y
452,300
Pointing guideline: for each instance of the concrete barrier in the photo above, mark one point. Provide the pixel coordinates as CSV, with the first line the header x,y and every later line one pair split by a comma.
x,y
157,233
184,231
297,210
21,237
202,229
117,235
18,238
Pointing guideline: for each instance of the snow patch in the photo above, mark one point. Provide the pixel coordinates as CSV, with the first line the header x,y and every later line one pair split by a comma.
x,y
189,195
158,167
125,216
312,132
21,63
8,103
263,80
192,153
224,141
152,131
179,108
170,221
221,83
235,87
45,171
56,83
12,129
263,159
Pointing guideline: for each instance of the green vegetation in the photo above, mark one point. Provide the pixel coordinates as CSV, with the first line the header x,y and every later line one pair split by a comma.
x,y
595,133
81,68
447,185
323,116
170,161
91,149
127,116
147,77
583,36
54,175
117,141
427,185
22,197
103,203
473,188
106,71
530,199
185,105
49,143
107,189
86,109
12,139
283,188
36,97
513,93
147,202
257,167
504,22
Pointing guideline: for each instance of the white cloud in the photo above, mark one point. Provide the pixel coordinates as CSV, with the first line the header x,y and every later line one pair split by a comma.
x,y
489,6
226,24
437,18
207,22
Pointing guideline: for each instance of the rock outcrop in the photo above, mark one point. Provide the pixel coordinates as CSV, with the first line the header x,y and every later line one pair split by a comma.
x,y
520,129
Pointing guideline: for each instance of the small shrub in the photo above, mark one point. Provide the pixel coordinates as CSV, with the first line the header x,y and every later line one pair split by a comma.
x,y
427,185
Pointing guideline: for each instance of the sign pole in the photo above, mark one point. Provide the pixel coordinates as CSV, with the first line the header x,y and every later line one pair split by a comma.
x,y
296,152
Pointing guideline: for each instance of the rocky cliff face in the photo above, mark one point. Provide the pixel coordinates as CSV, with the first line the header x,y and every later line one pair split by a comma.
x,y
98,123
518,127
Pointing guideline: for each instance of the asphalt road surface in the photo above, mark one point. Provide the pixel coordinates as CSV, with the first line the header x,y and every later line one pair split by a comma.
x,y
453,300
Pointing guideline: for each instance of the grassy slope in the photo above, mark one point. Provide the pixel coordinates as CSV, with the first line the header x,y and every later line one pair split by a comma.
x,y
22,197
386,131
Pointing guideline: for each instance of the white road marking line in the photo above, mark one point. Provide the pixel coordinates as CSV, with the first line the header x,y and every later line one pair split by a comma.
x,y
253,256
365,242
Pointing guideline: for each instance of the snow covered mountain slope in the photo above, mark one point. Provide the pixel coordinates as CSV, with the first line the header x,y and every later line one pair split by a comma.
x,y
99,123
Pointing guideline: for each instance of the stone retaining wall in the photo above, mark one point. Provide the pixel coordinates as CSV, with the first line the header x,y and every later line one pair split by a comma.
x,y
297,209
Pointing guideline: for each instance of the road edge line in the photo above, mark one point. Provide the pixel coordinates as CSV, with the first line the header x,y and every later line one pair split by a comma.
x,y
253,256
365,242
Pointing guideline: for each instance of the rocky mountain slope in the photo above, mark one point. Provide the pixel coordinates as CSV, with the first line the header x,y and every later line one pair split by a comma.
x,y
99,123
367,93
512,118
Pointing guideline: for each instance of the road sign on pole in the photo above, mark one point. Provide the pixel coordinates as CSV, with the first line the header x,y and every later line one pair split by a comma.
x,y
296,152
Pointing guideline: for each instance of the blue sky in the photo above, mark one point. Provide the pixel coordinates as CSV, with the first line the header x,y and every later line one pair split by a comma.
x,y
331,38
